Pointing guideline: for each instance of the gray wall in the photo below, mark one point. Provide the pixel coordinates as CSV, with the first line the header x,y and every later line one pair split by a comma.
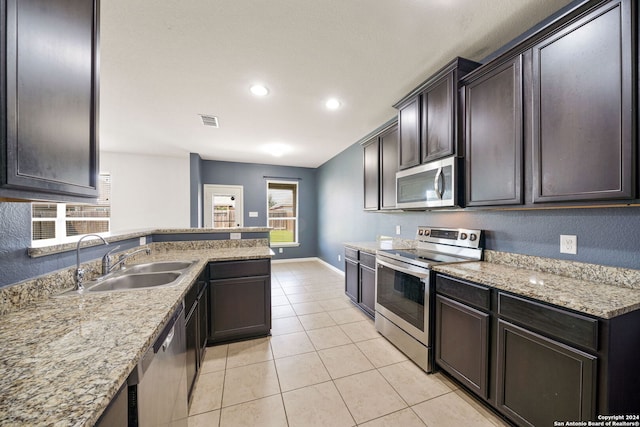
x,y
195,190
252,177
609,236
15,238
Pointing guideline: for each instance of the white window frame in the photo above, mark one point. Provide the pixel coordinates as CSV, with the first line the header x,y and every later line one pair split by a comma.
x,y
295,218
61,219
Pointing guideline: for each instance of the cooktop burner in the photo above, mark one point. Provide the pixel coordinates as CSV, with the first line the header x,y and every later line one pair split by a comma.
x,y
424,255
439,245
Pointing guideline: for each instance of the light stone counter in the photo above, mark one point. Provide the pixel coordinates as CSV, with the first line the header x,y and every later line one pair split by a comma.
x,y
599,291
62,359
382,244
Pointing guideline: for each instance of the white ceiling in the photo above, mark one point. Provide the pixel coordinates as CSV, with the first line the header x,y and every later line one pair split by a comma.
x,y
165,62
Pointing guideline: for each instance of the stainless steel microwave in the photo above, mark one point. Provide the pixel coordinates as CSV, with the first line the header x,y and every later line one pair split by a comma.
x,y
427,186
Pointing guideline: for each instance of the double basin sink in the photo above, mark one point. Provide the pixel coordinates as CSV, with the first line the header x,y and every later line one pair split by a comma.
x,y
140,276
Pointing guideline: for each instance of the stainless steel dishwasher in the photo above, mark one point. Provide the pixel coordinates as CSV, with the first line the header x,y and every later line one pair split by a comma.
x,y
158,385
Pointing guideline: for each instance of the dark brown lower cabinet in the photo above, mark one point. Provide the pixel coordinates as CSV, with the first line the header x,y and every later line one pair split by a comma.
x,y
351,273
541,380
367,289
462,343
192,349
239,300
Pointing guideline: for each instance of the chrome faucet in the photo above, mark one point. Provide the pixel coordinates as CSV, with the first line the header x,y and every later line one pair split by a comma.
x,y
79,276
106,262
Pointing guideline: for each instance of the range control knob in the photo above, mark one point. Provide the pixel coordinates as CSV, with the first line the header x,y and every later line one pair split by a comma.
x,y
427,232
420,232
473,237
463,236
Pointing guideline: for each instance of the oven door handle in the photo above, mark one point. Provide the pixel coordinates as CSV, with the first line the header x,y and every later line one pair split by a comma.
x,y
402,269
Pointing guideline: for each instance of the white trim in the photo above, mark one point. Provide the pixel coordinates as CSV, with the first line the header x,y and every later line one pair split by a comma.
x,y
211,190
296,219
283,261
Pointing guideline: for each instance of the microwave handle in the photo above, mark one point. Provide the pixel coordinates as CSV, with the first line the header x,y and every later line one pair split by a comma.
x,y
436,184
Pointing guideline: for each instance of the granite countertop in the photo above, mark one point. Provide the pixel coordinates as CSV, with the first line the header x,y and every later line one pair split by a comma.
x,y
381,244
585,296
45,249
64,358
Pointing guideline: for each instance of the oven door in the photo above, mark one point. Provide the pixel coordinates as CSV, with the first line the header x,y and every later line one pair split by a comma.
x,y
402,296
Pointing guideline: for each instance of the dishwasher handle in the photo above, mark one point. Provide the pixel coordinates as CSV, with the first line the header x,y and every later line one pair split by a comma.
x,y
167,341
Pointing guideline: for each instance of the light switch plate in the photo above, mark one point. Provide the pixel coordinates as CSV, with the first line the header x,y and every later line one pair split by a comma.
x,y
236,236
143,241
397,229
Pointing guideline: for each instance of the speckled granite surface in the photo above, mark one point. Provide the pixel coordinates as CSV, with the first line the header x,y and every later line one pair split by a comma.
x,y
595,290
372,247
63,359
38,251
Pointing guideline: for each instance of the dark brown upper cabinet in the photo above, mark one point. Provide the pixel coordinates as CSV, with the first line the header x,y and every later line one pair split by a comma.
x,y
494,135
371,174
583,107
49,99
388,167
409,133
380,150
428,116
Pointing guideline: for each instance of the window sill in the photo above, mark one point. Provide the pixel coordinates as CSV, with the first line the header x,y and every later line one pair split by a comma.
x,y
284,245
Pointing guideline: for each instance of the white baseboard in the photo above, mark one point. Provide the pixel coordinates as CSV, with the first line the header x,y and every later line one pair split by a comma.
x,y
282,261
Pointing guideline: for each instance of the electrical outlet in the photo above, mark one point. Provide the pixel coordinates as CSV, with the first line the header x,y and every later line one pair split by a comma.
x,y
568,244
339,258
397,229
280,250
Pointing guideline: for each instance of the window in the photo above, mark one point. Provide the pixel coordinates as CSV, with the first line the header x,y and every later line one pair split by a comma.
x,y
55,221
282,212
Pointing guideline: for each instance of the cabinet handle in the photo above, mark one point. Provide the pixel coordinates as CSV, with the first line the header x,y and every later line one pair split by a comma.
x,y
436,184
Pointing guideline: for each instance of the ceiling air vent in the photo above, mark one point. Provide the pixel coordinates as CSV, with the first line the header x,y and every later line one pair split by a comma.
x,y
209,120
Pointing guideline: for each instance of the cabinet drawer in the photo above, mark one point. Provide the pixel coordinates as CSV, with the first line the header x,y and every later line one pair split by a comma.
x,y
351,253
231,269
191,297
470,293
564,325
367,259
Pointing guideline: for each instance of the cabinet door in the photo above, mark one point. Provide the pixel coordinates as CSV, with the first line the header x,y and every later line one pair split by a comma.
x,y
493,123
409,133
462,342
351,279
240,308
541,381
371,175
583,109
192,350
51,97
438,116
203,319
388,168
368,289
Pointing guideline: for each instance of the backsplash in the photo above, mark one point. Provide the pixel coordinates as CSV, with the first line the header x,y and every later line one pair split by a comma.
x,y
21,294
614,276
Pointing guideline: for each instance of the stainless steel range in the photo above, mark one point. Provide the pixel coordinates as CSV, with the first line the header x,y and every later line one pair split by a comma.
x,y
404,302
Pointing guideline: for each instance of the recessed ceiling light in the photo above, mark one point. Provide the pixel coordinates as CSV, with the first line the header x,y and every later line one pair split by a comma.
x,y
332,104
277,149
259,90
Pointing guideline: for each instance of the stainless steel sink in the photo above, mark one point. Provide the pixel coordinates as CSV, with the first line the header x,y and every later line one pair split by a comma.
x,y
157,267
139,276
134,281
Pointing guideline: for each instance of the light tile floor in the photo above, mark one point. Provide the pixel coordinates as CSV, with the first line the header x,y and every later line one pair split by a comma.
x,y
324,365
